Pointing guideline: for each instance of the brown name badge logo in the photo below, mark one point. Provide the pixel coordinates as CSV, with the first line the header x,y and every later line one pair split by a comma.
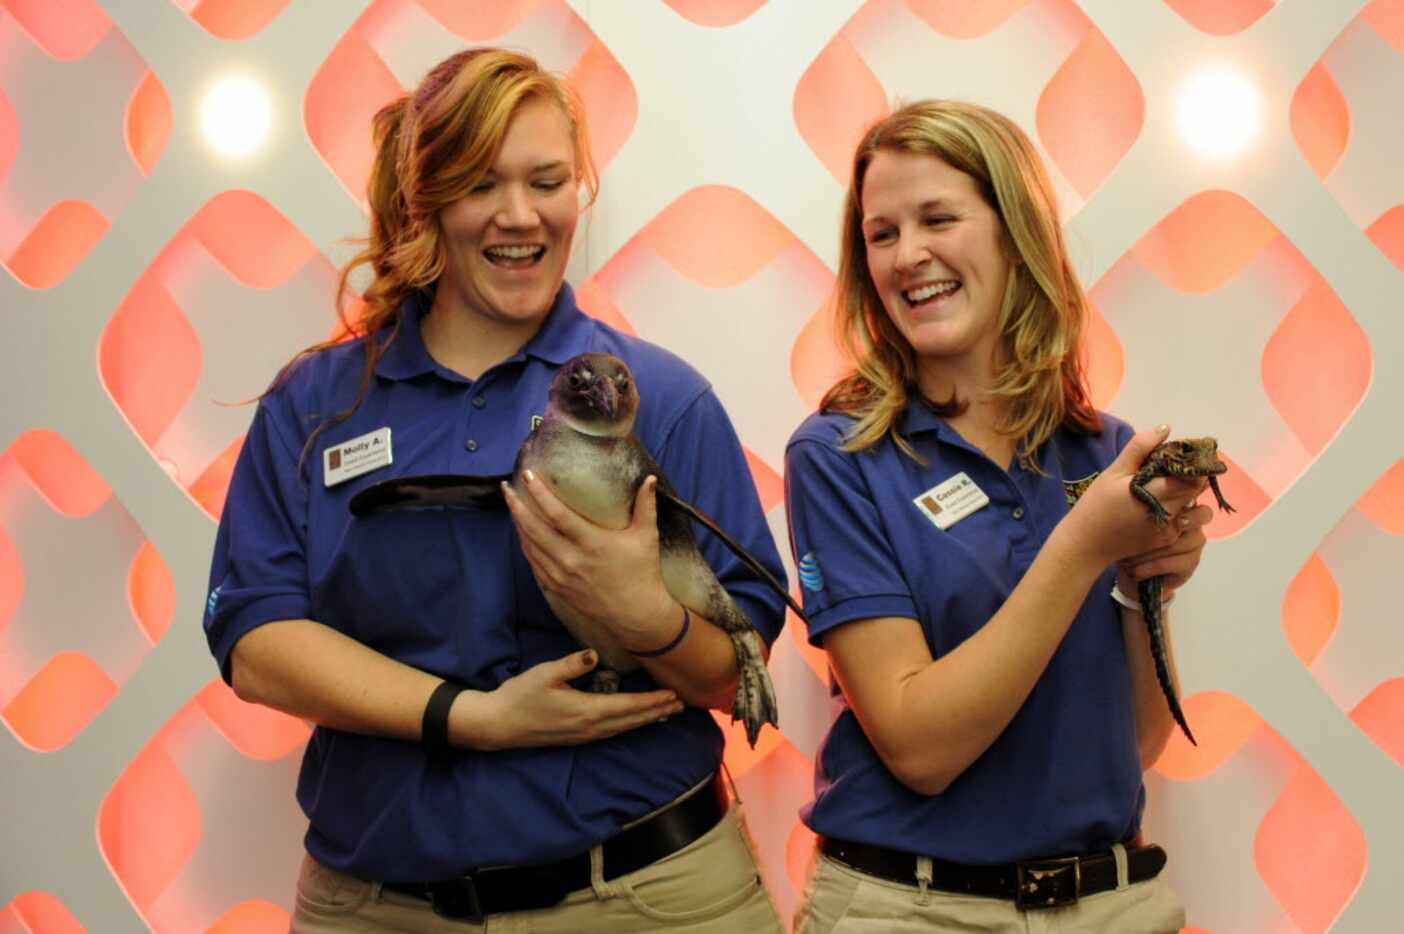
x,y
951,500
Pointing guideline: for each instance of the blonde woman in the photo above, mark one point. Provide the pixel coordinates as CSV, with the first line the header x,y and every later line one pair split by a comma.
x,y
997,706
456,780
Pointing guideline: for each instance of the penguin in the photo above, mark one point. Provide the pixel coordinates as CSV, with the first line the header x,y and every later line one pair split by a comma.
x,y
586,453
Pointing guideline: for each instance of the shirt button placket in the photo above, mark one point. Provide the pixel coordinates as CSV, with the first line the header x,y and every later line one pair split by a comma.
x,y
478,402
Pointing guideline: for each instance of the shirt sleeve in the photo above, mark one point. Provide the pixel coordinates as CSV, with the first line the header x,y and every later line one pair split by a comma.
x,y
1121,436
703,459
259,570
848,569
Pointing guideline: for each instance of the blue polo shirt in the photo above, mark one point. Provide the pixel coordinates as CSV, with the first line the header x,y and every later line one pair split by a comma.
x,y
1065,775
448,591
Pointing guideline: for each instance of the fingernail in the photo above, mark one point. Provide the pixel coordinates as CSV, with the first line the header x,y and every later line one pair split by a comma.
x,y
588,657
1162,427
530,477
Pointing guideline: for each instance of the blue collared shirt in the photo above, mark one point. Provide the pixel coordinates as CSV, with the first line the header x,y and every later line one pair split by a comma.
x,y
1065,774
449,592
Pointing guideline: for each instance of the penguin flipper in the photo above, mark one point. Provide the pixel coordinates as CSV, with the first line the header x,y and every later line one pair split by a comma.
x,y
668,500
456,491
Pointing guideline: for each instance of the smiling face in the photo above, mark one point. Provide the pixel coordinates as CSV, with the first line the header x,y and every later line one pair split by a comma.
x,y
939,260
508,240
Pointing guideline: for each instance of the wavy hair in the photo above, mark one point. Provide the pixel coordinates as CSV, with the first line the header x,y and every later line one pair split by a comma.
x,y
431,147
1039,372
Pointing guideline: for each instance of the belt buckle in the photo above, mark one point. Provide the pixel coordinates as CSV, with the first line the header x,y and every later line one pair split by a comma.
x,y
457,899
1047,883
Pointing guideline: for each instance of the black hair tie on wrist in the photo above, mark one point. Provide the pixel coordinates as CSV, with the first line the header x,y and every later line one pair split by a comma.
x,y
654,653
434,729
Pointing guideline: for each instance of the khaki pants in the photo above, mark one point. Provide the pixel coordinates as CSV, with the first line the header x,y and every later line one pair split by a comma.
x,y
844,901
711,885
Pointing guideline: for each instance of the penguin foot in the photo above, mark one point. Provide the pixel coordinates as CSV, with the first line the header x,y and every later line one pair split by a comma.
x,y
754,703
604,681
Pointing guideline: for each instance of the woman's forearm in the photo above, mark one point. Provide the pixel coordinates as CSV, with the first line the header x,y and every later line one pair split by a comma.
x,y
309,670
933,718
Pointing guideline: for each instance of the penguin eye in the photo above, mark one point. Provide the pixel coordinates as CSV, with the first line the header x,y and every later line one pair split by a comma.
x,y
576,380
621,380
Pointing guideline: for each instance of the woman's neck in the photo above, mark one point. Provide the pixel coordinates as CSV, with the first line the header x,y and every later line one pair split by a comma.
x,y
980,421
467,342
980,426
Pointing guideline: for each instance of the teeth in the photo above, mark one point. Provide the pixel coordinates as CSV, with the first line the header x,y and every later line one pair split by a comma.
x,y
917,296
514,252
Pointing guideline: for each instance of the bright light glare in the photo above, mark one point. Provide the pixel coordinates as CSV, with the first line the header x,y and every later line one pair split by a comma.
x,y
1220,111
236,116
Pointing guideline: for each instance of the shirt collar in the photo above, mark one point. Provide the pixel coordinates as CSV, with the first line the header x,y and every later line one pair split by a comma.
x,y
407,357
918,418
564,334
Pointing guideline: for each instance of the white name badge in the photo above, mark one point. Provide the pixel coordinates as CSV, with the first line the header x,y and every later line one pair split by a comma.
x,y
948,502
355,457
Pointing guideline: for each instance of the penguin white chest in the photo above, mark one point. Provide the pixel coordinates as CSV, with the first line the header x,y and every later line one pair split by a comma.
x,y
594,479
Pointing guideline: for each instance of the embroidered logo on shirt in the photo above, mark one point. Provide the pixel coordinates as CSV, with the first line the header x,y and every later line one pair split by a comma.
x,y
536,421
1074,489
810,576
213,601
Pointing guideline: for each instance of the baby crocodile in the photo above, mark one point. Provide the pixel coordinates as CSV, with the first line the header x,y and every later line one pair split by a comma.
x,y
1189,457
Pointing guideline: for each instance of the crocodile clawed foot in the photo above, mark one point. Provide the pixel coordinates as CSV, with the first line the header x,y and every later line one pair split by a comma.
x,y
1219,495
754,703
1157,511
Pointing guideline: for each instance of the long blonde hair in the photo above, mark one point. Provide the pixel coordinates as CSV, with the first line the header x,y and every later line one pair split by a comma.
x,y
1040,372
431,147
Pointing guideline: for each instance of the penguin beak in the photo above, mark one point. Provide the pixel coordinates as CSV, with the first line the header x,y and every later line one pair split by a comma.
x,y
605,398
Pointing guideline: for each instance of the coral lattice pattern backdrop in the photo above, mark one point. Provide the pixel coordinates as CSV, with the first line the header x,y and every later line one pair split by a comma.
x,y
149,282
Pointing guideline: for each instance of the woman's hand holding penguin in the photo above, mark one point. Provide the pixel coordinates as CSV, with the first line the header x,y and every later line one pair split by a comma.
x,y
609,575
539,708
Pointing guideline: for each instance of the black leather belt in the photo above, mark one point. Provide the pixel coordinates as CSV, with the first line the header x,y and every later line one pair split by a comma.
x,y
1031,883
497,890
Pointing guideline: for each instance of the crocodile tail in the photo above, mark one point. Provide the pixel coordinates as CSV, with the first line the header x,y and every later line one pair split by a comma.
x,y
1150,592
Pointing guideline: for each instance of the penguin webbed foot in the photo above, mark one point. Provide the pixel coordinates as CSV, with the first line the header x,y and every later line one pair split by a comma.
x,y
604,681
754,703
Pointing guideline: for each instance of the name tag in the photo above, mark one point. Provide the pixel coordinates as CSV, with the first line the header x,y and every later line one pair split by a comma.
x,y
948,502
355,457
